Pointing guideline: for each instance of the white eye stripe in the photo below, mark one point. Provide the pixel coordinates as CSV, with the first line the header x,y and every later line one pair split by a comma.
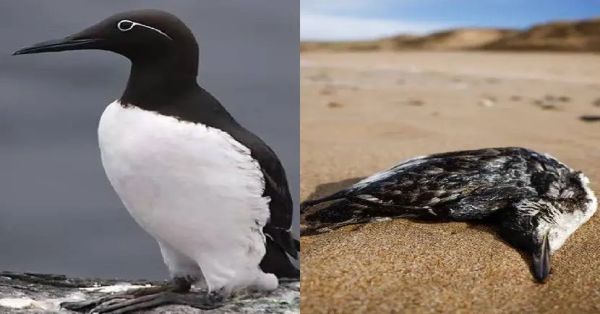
x,y
127,25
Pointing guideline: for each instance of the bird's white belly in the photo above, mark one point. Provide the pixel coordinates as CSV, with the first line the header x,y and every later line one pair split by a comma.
x,y
190,186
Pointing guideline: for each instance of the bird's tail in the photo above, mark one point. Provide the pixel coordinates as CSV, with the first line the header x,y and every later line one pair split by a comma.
x,y
338,213
310,203
282,257
345,209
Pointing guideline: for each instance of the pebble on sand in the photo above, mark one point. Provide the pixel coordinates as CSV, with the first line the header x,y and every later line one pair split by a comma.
x,y
487,102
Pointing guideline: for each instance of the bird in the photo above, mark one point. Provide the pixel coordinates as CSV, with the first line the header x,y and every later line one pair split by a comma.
x,y
534,201
212,194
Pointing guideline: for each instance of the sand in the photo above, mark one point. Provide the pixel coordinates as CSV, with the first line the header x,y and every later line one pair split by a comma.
x,y
363,112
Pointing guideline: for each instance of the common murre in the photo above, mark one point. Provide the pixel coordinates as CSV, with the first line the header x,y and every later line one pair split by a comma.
x,y
213,195
535,201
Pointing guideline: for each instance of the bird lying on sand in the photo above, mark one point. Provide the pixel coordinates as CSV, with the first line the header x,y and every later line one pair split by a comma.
x,y
535,201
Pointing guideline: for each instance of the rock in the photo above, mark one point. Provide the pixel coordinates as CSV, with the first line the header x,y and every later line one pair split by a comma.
x,y
43,293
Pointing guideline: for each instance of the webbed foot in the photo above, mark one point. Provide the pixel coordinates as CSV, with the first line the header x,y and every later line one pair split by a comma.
x,y
176,293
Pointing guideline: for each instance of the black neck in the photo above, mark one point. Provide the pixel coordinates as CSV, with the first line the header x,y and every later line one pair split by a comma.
x,y
155,82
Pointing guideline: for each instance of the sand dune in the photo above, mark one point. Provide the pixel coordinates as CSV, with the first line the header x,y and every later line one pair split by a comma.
x,y
556,36
456,39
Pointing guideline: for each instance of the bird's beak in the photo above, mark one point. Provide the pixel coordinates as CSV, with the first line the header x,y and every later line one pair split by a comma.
x,y
68,43
541,260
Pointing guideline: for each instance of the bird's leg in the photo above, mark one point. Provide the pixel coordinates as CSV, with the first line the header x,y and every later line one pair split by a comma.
x,y
176,292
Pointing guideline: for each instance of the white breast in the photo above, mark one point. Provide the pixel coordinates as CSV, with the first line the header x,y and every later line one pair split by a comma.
x,y
190,186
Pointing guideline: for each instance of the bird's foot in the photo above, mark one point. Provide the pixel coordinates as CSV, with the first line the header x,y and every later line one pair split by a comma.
x,y
129,305
86,305
145,298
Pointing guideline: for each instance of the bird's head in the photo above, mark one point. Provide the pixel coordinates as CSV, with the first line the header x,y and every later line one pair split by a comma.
x,y
142,36
541,227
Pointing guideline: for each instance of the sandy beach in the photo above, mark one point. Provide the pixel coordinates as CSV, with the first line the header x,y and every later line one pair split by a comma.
x,y
362,112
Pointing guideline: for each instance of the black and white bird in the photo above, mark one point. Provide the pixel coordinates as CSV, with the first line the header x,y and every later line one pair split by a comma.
x,y
213,195
535,201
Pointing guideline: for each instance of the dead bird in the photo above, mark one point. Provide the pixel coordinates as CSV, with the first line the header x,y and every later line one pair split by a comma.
x,y
535,201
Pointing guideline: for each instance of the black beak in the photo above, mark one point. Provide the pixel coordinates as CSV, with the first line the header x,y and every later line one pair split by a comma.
x,y
541,261
68,43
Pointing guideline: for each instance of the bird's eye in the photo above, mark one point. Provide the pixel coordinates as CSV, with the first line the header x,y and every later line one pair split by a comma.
x,y
125,25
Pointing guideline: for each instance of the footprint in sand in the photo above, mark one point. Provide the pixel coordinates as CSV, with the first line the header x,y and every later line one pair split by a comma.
x,y
333,104
515,98
590,118
551,102
327,90
415,102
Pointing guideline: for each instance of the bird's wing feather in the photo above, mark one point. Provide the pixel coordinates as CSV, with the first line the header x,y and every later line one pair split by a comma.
x,y
449,178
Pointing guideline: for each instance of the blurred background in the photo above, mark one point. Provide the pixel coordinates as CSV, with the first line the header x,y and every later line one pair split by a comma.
x,y
387,80
364,20
58,213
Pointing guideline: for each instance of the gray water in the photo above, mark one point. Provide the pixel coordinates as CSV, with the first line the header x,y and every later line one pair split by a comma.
x,y
58,213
